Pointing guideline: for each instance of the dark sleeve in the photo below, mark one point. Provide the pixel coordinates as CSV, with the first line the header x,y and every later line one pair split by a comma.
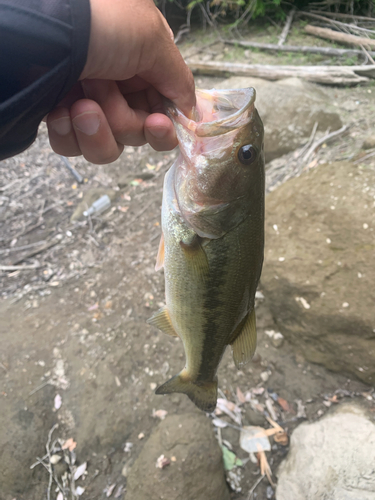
x,y
43,50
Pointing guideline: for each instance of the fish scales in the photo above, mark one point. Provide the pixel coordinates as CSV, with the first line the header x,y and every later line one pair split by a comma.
x,y
211,279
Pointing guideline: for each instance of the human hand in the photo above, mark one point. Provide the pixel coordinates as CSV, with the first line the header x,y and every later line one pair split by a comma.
x,y
132,62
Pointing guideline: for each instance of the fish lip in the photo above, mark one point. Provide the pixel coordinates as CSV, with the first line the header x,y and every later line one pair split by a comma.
x,y
216,127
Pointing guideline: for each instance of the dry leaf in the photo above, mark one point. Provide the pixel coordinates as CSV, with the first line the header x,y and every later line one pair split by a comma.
x,y
159,414
109,489
162,462
80,471
218,422
285,405
240,395
281,438
69,444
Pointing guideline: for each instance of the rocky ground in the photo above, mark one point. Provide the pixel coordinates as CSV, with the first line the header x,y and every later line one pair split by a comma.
x,y
76,350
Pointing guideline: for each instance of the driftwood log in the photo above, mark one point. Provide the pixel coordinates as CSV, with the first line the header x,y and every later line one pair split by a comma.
x,y
304,49
339,37
329,75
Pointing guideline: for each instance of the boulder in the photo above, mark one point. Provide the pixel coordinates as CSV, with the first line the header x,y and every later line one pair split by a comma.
x,y
195,463
289,109
331,459
319,269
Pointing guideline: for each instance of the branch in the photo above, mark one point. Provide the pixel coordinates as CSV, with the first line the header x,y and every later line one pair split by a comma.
x,y
329,75
339,37
328,51
286,28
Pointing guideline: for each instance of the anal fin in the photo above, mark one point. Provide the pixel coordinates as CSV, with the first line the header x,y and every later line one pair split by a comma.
x,y
162,321
245,343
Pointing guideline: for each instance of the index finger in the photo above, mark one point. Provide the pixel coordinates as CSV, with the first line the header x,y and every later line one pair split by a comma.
x,y
169,73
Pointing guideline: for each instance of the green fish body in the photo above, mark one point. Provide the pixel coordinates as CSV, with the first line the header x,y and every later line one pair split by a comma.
x,y
213,239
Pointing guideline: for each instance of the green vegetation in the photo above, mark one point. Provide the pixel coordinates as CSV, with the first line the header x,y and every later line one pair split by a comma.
x,y
239,12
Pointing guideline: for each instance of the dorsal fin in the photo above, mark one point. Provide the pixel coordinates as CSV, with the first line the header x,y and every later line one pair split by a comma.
x,y
245,343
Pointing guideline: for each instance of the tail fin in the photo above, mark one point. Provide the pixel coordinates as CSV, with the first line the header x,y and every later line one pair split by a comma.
x,y
203,395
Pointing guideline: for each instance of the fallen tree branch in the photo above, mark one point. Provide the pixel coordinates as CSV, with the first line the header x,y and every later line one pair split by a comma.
x,y
339,37
329,75
327,51
339,24
344,16
286,28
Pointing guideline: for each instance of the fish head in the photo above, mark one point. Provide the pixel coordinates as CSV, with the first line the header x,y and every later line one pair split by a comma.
x,y
219,175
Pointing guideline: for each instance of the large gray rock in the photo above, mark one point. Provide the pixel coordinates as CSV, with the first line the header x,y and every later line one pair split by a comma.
x,y
332,459
289,108
196,470
319,270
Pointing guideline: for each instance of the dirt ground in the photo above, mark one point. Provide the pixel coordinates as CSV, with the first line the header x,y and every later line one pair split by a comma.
x,y
74,326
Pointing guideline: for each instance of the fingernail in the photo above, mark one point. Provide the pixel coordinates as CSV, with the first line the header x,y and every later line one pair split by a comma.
x,y
87,123
158,133
61,126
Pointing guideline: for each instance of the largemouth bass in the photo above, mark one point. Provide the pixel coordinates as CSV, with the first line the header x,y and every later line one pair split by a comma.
x,y
212,238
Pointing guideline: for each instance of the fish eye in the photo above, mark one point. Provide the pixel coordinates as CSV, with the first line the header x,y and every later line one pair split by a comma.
x,y
247,154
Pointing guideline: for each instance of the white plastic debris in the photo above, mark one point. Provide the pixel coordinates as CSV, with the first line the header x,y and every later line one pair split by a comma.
x,y
253,439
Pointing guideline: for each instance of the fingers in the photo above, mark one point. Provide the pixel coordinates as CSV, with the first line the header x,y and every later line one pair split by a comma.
x,y
133,126
84,130
160,133
93,133
61,133
126,123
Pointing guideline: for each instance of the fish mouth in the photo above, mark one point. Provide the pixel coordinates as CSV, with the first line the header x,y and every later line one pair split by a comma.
x,y
217,112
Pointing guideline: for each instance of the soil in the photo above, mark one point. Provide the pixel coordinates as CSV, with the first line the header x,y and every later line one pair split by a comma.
x,y
75,326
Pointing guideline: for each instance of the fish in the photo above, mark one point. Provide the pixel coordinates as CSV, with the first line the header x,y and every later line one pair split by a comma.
x,y
212,241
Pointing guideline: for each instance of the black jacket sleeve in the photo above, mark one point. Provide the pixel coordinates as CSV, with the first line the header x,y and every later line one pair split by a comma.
x,y
43,50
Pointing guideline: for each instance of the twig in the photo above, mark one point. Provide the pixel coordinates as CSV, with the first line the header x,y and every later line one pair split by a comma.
x,y
364,158
324,139
309,142
24,247
78,177
39,387
251,492
345,16
49,460
46,246
367,54
21,268
140,213
338,24
286,28
202,49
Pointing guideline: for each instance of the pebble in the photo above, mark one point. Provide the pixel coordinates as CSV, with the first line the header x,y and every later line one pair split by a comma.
x,y
264,376
277,339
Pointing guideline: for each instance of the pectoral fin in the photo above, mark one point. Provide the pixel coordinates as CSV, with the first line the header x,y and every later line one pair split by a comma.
x,y
162,321
160,257
245,342
195,255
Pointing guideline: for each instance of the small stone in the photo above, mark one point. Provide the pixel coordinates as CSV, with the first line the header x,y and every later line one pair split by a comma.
x,y
369,142
265,376
141,435
277,339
